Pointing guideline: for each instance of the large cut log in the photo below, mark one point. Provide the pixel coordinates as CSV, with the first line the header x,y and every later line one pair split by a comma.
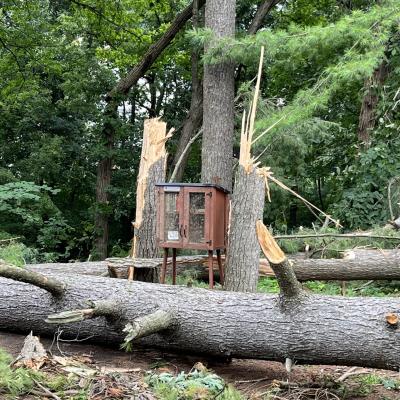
x,y
315,329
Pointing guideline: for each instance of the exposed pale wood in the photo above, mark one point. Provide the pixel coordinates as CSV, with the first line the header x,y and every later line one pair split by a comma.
x,y
289,285
151,171
146,325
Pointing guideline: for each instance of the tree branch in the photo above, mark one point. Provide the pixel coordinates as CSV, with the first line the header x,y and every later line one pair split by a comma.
x,y
147,325
53,286
152,53
288,283
105,308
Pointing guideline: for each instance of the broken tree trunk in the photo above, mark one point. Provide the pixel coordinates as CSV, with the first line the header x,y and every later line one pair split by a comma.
x,y
243,256
247,207
151,171
315,329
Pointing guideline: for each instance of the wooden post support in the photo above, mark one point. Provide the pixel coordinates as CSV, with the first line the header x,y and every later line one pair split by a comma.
x,y
174,266
210,269
164,266
220,267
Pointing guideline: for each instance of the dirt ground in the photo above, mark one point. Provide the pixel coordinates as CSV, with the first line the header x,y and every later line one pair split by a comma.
x,y
251,377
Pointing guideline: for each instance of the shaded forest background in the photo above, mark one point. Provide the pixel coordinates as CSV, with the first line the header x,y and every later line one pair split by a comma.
x,y
331,78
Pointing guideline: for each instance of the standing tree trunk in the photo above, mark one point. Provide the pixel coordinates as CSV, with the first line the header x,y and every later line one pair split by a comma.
x,y
194,119
242,262
103,181
151,171
218,110
367,117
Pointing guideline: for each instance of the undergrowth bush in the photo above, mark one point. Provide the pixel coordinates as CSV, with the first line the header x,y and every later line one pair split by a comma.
x,y
193,385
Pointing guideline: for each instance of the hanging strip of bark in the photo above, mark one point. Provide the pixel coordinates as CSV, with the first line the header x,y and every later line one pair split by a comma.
x,y
151,171
322,330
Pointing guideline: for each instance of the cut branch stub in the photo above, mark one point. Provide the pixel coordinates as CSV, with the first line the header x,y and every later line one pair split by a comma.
x,y
101,308
147,325
289,285
53,286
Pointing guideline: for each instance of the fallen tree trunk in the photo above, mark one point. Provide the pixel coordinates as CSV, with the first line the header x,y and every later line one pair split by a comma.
x,y
316,329
357,264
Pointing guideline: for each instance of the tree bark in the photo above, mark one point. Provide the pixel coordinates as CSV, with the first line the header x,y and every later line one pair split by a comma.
x,y
103,181
356,265
218,107
243,256
262,11
367,118
193,121
319,329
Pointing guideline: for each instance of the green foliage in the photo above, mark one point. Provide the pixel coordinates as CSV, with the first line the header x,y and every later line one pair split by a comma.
x,y
194,385
13,382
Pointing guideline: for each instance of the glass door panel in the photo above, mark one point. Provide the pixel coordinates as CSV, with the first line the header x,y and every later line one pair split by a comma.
x,y
171,217
197,217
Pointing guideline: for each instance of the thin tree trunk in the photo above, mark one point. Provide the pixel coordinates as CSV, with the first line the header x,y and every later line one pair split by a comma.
x,y
262,11
243,256
218,107
114,96
193,121
367,118
356,265
103,181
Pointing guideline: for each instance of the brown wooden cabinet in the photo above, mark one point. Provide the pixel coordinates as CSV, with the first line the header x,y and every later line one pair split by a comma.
x,y
192,216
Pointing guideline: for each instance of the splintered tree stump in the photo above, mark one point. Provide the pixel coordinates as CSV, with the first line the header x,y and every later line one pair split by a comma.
x,y
151,171
242,265
316,330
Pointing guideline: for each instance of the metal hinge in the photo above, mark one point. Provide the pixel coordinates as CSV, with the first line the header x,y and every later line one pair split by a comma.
x,y
209,194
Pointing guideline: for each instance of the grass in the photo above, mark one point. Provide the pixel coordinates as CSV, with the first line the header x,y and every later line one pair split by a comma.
x,y
15,382
13,253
